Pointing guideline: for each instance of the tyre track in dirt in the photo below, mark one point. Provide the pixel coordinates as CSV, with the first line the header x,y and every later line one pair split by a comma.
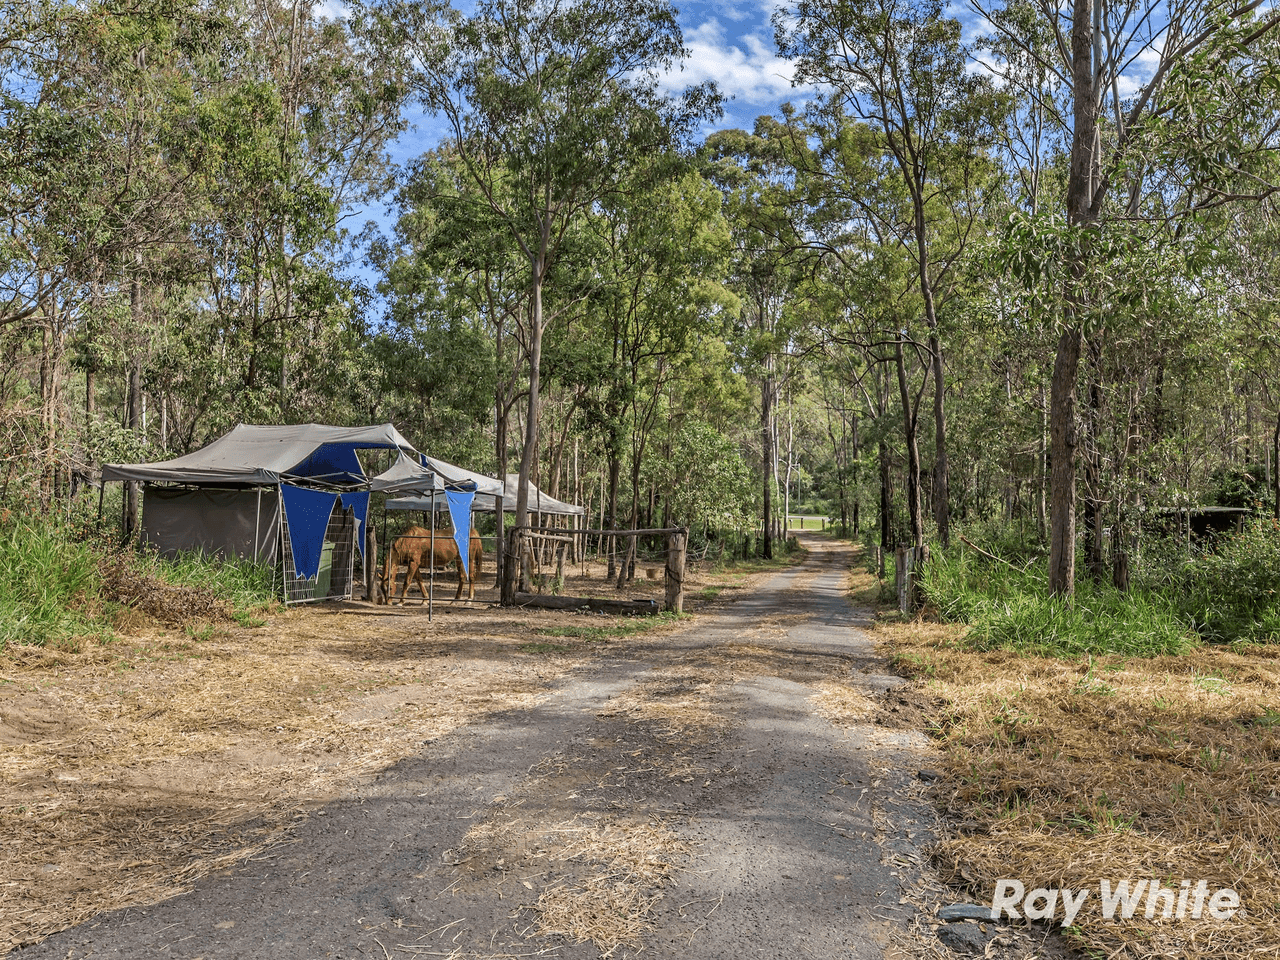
x,y
696,794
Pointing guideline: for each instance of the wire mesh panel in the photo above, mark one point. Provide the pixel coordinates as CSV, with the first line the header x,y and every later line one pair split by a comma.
x,y
337,562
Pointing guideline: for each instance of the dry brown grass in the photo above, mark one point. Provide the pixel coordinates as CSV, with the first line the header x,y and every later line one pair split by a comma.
x,y
1061,774
129,771
842,704
610,904
680,702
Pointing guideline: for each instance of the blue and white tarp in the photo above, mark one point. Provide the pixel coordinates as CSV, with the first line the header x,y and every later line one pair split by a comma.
x,y
307,513
460,514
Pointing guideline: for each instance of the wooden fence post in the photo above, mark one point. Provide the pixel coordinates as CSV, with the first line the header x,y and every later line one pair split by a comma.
x,y
908,561
372,585
677,545
511,571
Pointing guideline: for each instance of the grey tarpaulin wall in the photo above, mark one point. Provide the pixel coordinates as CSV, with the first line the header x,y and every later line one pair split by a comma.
x,y
241,523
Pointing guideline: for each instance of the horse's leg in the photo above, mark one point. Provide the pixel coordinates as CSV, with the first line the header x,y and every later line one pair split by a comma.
x,y
417,572
461,575
403,588
410,570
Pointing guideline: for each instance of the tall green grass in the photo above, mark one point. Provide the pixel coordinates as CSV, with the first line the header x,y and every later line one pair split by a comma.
x,y
245,585
1011,608
1229,589
48,588
51,584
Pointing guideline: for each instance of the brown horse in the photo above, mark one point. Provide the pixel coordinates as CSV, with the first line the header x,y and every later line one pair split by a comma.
x,y
414,550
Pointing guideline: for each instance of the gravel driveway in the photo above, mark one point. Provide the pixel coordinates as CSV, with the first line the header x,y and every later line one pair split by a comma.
x,y
746,786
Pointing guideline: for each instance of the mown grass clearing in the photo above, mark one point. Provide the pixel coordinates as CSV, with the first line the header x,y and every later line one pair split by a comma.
x,y
1064,771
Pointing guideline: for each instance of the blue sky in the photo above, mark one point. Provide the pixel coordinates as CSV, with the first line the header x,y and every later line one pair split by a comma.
x,y
732,44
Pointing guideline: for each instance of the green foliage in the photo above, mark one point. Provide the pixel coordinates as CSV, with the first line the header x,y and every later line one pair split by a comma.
x,y
245,585
705,478
48,587
1230,592
1227,593
1011,608
1239,485
51,585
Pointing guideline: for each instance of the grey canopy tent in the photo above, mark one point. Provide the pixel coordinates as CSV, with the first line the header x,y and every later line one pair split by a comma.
x,y
296,496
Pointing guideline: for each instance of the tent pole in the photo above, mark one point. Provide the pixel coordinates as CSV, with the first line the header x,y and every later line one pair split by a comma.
x,y
102,491
499,542
284,579
257,519
431,562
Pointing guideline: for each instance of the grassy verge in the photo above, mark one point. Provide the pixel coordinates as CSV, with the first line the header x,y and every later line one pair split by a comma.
x,y
49,589
1066,769
57,591
1011,608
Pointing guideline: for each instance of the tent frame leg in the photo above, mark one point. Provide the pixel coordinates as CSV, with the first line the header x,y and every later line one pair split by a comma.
x,y
431,560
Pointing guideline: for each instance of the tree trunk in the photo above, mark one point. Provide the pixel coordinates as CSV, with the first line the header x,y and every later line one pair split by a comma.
x,y
767,457
786,487
1042,468
1066,364
501,441
1062,464
941,465
530,451
910,431
853,469
1094,495
1275,474
615,477
886,498
134,408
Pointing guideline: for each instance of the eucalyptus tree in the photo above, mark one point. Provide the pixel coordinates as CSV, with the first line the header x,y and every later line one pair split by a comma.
x,y
301,125
546,104
899,67
756,174
100,132
1196,133
660,254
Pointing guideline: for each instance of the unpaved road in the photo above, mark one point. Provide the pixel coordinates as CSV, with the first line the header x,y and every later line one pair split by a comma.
x,y
738,788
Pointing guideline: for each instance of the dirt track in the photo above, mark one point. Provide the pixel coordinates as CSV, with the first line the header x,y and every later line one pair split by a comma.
x,y
744,786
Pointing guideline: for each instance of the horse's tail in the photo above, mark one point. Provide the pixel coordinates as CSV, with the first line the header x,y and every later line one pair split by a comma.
x,y
477,555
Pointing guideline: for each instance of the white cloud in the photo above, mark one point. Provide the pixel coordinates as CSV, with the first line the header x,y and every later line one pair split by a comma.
x,y
1127,86
746,69
332,10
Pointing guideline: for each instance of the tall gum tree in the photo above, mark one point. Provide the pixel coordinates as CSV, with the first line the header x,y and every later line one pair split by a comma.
x,y
899,67
756,175
547,104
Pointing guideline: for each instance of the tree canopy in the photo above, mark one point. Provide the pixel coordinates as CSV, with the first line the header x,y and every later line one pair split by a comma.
x,y
1020,279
